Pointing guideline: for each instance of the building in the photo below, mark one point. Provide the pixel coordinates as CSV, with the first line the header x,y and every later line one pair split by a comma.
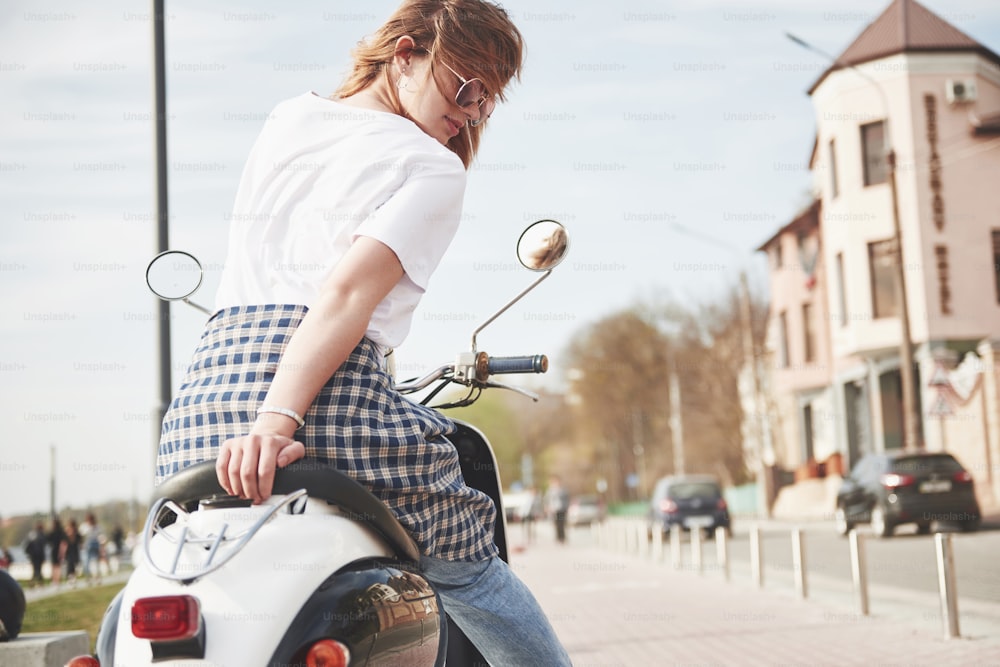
x,y
916,84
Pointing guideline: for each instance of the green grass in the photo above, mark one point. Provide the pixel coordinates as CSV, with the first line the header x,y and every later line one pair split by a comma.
x,y
80,609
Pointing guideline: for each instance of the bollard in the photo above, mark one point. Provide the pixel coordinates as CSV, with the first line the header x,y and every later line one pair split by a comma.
x,y
675,546
641,538
656,534
722,550
946,584
696,550
859,571
756,556
799,564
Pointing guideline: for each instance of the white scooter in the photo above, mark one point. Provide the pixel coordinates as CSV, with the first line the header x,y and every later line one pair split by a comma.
x,y
319,575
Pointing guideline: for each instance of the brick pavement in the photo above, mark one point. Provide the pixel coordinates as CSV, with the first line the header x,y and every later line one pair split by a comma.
x,y
616,609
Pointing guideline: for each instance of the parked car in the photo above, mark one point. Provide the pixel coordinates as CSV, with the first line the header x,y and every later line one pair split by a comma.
x,y
689,501
522,506
585,510
900,487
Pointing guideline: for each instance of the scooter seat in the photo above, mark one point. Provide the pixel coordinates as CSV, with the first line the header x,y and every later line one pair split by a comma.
x,y
199,482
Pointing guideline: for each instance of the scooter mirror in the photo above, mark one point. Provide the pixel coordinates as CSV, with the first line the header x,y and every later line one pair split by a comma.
x,y
174,275
542,245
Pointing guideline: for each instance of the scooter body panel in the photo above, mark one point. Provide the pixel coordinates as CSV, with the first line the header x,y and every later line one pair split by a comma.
x,y
248,603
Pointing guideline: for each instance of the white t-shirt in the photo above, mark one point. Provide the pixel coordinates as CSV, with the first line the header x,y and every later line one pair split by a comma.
x,y
322,173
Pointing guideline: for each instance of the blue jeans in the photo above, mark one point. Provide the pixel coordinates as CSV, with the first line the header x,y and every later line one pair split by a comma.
x,y
496,611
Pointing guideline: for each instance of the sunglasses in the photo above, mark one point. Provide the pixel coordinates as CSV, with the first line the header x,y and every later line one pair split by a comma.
x,y
473,91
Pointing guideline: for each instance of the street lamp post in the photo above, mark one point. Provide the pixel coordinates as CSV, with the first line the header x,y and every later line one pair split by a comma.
x,y
911,418
762,431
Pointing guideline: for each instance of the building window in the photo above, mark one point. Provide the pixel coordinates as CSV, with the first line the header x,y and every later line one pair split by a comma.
x,y
834,188
996,261
873,150
808,333
882,269
842,289
783,340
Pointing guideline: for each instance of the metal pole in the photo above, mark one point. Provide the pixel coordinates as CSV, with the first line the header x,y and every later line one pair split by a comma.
x,y
722,550
676,424
675,547
911,417
859,571
162,214
946,584
760,419
52,481
799,564
756,556
696,553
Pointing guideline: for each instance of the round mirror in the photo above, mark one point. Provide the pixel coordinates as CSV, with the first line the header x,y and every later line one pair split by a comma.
x,y
542,245
174,275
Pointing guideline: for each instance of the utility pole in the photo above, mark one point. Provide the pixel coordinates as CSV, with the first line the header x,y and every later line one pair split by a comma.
x,y
162,214
676,421
52,481
911,416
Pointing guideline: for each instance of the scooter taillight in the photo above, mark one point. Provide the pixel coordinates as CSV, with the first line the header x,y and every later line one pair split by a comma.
x,y
83,661
167,618
328,653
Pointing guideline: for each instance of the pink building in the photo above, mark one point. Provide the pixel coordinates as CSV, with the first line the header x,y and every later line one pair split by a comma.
x,y
915,83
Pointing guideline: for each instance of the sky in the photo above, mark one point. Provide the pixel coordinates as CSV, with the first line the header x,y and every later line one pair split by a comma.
x,y
670,138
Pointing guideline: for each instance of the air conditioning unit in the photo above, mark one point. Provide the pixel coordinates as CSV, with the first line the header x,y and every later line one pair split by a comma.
x,y
959,91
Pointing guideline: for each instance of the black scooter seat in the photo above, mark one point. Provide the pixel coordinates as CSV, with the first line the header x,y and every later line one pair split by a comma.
x,y
199,482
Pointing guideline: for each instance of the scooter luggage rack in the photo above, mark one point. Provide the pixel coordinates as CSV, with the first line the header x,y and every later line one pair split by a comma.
x,y
154,528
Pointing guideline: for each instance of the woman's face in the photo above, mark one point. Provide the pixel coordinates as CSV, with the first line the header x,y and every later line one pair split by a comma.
x,y
429,98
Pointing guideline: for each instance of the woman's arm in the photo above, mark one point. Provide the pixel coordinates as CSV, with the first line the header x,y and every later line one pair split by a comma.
x,y
326,337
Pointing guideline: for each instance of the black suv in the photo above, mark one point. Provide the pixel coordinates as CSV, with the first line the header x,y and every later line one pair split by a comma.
x,y
894,488
689,501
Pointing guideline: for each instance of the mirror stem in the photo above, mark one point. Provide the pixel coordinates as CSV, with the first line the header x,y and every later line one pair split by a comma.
x,y
509,304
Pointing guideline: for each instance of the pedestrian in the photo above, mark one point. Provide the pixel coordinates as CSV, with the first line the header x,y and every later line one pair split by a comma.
x,y
557,505
92,547
34,549
118,544
345,208
71,550
56,538
6,559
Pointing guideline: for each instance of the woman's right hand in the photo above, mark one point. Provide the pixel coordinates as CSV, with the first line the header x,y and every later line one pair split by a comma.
x,y
246,464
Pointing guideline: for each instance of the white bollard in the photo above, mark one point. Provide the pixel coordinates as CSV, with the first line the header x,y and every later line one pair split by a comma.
x,y
799,564
756,556
859,571
946,584
722,550
696,560
675,547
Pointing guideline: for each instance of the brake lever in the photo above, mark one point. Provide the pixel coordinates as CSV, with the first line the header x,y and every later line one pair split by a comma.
x,y
524,392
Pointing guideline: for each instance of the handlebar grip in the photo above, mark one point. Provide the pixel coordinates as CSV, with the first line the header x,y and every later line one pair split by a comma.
x,y
537,363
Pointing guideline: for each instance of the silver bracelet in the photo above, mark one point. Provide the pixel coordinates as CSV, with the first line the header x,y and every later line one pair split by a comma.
x,y
284,411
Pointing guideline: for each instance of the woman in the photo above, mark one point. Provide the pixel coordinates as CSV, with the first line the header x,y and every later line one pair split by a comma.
x,y
344,210
71,550
56,539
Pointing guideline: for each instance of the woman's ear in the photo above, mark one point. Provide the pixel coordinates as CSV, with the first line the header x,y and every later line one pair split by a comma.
x,y
404,53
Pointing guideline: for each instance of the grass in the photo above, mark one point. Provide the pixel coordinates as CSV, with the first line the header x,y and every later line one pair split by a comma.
x,y
80,609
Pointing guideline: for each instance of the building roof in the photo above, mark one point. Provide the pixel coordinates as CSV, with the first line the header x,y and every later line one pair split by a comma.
x,y
807,219
905,27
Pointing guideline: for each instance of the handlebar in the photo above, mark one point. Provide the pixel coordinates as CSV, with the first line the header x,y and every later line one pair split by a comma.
x,y
475,369
537,363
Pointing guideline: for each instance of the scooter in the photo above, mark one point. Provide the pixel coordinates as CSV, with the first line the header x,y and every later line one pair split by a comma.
x,y
321,574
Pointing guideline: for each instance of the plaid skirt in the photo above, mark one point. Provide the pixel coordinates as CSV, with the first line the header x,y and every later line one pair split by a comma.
x,y
358,423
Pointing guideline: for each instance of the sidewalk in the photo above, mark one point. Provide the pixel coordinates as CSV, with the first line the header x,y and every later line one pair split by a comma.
x,y
611,608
